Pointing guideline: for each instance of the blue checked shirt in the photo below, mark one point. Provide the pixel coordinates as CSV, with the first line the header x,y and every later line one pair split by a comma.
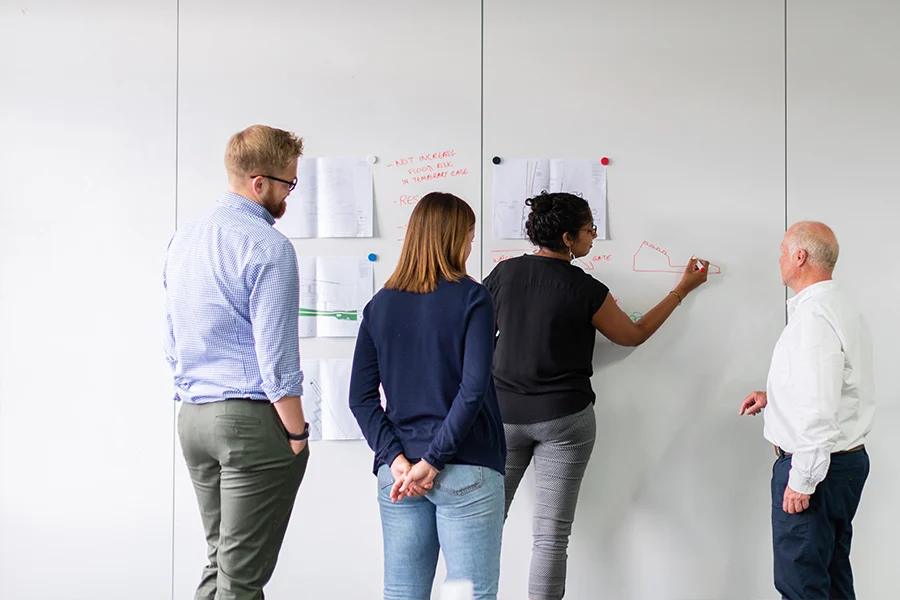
x,y
232,306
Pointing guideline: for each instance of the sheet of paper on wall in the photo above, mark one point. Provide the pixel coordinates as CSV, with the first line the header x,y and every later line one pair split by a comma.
x,y
326,393
517,179
333,292
333,199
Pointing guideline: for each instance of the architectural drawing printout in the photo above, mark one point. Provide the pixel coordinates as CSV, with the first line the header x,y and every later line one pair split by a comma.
x,y
326,393
516,180
333,199
333,292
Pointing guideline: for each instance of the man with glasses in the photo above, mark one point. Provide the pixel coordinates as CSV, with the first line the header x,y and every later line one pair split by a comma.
x,y
232,307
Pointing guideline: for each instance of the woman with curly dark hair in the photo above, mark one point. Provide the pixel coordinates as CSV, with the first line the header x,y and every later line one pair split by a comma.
x,y
547,315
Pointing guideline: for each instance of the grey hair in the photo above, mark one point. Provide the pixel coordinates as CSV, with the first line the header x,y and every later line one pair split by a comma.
x,y
819,242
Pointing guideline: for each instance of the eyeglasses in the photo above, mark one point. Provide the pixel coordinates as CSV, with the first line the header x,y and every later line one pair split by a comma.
x,y
592,229
291,184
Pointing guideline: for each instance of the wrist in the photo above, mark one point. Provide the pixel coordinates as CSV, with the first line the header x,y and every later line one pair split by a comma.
x,y
433,462
392,453
297,437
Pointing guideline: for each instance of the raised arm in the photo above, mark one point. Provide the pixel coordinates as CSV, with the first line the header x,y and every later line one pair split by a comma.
x,y
612,322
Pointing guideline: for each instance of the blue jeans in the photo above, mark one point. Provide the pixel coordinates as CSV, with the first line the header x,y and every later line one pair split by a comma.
x,y
462,514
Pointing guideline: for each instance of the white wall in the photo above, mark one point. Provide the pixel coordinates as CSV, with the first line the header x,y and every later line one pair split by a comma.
x,y
843,151
689,103
87,184
355,79
687,100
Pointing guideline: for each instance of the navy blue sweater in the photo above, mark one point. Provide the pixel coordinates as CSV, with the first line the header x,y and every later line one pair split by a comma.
x,y
432,354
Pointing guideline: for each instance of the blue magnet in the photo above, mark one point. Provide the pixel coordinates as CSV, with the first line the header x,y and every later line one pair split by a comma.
x,y
373,257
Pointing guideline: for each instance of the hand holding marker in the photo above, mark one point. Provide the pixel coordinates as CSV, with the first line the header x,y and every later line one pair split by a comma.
x,y
698,264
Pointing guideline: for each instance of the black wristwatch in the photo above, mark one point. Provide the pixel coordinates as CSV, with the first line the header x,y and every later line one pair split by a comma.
x,y
299,436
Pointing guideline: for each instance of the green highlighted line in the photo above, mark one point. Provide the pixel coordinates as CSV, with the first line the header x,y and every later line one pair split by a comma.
x,y
340,315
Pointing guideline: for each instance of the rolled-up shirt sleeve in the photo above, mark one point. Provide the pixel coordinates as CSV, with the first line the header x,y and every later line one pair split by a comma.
x,y
274,316
816,372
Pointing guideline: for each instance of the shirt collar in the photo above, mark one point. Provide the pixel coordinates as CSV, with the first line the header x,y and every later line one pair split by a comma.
x,y
245,205
811,291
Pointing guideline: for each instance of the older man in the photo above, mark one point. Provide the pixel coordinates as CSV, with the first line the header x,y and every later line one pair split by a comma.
x,y
819,405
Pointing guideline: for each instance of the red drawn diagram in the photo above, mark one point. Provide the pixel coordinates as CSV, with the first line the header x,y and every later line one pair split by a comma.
x,y
588,263
653,259
501,255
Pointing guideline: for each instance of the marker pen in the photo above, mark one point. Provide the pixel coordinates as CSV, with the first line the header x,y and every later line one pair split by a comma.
x,y
699,264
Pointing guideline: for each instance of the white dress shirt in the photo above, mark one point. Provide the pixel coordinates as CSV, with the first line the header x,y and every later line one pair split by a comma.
x,y
820,386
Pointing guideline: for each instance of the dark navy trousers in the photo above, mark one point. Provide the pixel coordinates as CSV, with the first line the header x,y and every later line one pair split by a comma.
x,y
812,548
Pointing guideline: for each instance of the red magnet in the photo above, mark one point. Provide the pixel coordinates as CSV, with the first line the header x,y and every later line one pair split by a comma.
x,y
604,161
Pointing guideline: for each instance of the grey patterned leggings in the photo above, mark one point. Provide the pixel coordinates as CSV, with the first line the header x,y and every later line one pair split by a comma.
x,y
561,449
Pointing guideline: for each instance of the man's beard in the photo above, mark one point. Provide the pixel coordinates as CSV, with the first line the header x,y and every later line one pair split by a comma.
x,y
276,207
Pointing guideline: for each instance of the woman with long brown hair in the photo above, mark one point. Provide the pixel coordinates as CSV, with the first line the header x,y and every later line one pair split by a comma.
x,y
427,338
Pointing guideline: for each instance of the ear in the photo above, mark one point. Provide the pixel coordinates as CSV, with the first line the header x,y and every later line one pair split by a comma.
x,y
567,240
257,184
801,257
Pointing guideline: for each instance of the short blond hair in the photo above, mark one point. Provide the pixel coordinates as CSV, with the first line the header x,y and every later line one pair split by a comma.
x,y
261,150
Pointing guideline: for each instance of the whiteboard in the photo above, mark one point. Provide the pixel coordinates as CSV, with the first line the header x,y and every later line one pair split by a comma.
x,y
723,121
398,81
843,151
687,102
